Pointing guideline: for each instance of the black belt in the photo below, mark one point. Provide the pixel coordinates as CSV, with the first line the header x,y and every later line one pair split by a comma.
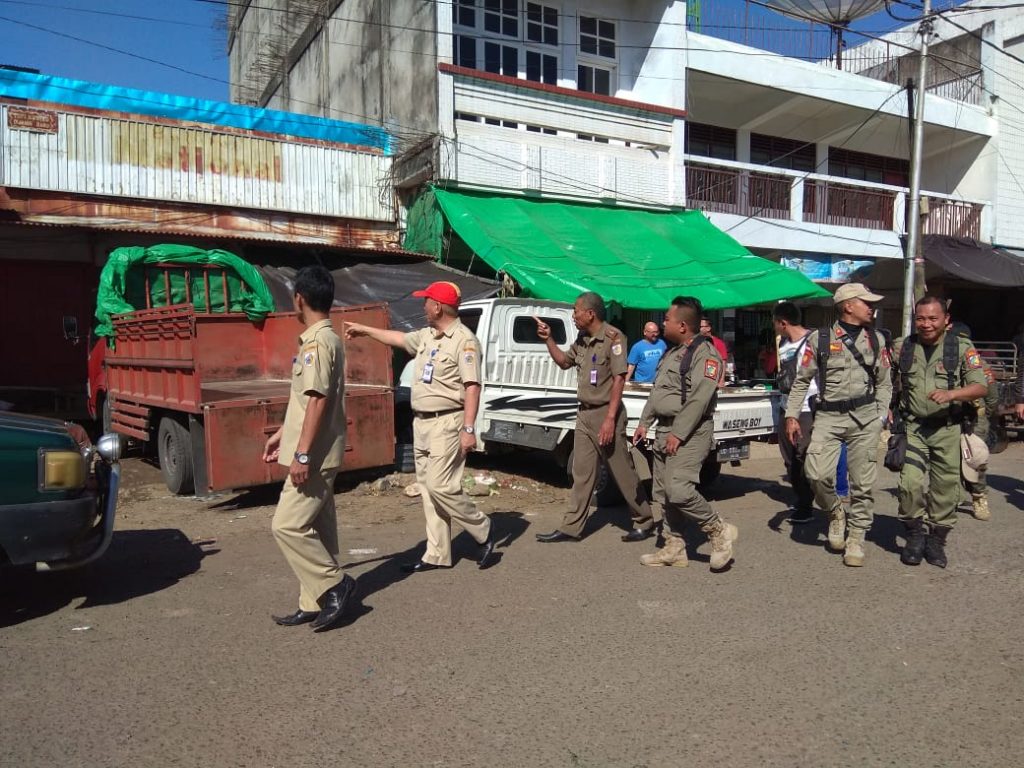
x,y
435,414
589,407
844,406
933,422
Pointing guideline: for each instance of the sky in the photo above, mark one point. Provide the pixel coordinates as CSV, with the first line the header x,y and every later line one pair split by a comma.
x,y
108,41
187,34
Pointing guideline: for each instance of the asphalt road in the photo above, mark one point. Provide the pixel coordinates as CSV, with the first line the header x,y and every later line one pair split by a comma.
x,y
162,654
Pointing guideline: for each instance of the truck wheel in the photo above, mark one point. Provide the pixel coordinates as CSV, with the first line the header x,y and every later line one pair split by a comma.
x,y
709,472
174,449
606,492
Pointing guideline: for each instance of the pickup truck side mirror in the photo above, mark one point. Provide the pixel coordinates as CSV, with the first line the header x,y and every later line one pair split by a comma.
x,y
70,323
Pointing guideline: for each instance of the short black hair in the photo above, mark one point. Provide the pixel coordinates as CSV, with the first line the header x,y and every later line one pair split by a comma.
x,y
931,298
788,311
692,310
315,284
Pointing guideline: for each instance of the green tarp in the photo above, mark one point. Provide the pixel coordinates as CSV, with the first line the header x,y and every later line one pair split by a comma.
x,y
640,259
123,283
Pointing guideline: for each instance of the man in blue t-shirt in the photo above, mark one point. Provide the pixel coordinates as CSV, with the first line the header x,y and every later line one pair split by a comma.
x,y
642,362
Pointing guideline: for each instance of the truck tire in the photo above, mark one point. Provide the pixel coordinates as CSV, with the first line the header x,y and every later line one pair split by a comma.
x,y
174,450
606,492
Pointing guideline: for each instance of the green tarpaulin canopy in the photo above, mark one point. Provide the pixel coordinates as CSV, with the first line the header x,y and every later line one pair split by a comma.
x,y
641,259
123,283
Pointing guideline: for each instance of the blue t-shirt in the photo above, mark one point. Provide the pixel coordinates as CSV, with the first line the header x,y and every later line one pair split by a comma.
x,y
645,357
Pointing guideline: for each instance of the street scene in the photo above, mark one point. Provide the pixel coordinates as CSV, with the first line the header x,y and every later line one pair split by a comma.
x,y
500,382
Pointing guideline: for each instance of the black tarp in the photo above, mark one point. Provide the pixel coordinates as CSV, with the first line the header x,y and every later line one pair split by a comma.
x,y
975,262
370,282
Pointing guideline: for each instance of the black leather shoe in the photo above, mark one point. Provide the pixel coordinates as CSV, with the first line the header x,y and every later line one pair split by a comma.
x,y
295,619
420,567
554,536
487,557
334,601
637,535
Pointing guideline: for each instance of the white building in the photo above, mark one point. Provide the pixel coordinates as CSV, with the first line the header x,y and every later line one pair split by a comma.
x,y
593,99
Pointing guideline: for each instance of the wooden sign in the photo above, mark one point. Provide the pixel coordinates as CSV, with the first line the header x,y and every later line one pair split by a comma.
x,y
35,120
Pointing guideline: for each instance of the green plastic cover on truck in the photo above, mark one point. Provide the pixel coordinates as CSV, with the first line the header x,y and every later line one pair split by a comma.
x,y
123,283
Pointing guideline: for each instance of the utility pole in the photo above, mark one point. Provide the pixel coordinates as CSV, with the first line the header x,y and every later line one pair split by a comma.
x,y
913,222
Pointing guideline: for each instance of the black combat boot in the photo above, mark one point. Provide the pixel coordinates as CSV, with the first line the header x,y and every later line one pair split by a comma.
x,y
935,547
913,550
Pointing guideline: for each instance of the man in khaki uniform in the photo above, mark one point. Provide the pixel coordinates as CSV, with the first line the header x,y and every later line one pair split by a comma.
x,y
931,403
445,399
599,353
681,408
855,389
311,443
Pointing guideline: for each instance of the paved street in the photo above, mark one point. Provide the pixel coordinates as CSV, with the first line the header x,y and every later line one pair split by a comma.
x,y
163,654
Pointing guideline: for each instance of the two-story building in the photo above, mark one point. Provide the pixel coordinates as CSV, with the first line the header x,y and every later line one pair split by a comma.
x,y
593,100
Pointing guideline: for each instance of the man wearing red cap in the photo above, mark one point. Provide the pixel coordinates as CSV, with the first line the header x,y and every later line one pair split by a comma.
x,y
445,398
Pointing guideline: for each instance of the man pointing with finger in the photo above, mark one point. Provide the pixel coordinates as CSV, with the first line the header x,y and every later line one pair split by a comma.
x,y
599,353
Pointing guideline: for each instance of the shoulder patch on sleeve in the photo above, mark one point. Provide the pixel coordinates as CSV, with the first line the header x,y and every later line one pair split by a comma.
x,y
616,349
711,369
808,356
886,360
973,359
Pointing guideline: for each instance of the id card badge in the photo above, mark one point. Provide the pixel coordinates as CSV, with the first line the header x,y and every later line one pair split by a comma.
x,y
593,376
428,373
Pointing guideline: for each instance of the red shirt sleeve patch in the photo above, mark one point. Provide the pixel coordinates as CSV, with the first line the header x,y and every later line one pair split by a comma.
x,y
973,359
711,370
805,361
886,360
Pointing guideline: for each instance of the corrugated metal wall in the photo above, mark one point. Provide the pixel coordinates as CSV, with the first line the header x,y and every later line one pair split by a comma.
x,y
88,154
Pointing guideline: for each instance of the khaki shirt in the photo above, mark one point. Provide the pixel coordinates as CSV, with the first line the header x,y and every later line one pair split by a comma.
x,y
666,406
845,378
319,367
928,375
453,357
599,358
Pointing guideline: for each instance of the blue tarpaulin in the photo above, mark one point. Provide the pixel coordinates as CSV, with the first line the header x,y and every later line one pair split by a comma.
x,y
80,93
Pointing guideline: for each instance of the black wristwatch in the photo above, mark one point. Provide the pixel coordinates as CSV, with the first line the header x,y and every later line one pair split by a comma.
x,y
302,458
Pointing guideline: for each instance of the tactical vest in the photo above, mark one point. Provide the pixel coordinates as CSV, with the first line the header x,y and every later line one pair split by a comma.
x,y
844,406
950,361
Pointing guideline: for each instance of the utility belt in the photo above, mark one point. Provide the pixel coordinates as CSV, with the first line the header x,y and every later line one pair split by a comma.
x,y
435,414
934,422
589,407
843,406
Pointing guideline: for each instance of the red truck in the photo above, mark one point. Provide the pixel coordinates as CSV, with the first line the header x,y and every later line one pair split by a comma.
x,y
208,388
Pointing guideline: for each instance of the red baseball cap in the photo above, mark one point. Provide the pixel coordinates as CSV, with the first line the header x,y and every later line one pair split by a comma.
x,y
446,293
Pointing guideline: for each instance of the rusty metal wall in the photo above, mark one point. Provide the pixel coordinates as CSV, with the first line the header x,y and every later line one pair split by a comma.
x,y
96,154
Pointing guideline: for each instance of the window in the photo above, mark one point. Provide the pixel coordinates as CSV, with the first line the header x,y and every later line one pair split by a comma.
x,y
541,24
597,37
465,51
542,67
594,79
524,330
501,17
710,141
465,13
471,318
501,59
867,167
782,153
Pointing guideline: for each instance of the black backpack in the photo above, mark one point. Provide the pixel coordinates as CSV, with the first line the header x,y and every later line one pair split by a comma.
x,y
787,370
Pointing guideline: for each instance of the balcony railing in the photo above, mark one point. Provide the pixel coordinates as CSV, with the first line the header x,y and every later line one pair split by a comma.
x,y
743,192
956,218
826,202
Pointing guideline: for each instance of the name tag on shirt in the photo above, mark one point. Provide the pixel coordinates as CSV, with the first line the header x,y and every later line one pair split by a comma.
x,y
428,373
593,375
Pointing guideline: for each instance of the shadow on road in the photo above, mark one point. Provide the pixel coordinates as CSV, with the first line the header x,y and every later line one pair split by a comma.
x,y
137,563
1011,486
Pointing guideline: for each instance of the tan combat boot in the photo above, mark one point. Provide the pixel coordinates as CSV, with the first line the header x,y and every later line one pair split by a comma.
x,y
672,554
853,553
980,502
837,528
721,535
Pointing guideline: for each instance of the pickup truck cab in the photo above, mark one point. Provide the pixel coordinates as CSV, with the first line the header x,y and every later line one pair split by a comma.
x,y
529,402
58,495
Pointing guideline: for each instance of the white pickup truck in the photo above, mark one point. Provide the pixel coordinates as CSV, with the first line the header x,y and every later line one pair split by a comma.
x,y
529,402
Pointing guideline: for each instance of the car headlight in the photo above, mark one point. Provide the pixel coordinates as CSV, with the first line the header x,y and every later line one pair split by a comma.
x,y
110,447
61,470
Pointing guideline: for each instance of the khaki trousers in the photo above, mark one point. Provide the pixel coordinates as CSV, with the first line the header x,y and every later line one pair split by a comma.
x,y
587,455
305,526
674,485
933,453
861,436
439,467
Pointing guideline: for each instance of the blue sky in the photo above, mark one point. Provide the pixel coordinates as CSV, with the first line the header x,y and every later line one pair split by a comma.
x,y
184,33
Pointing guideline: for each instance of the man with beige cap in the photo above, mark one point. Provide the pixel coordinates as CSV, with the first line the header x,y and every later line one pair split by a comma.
x,y
940,373
445,399
851,364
